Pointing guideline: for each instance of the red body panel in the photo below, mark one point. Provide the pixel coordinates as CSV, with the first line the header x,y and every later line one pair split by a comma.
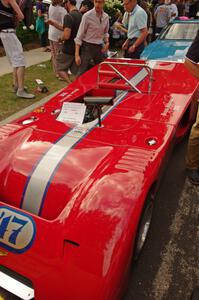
x,y
86,222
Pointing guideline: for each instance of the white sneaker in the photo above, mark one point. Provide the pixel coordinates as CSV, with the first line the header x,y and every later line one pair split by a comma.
x,y
24,94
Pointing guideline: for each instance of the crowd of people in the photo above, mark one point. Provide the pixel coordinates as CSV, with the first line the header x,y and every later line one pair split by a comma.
x,y
81,29
78,35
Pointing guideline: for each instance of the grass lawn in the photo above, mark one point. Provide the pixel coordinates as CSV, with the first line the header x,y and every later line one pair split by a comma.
x,y
10,103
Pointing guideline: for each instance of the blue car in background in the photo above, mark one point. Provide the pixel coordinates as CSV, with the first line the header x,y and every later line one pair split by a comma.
x,y
173,41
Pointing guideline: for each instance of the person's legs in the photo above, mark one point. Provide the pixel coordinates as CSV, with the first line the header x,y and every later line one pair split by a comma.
x,y
136,54
53,55
73,68
85,63
139,50
55,47
14,52
192,158
15,80
20,77
64,75
86,57
63,62
98,55
43,40
18,63
17,60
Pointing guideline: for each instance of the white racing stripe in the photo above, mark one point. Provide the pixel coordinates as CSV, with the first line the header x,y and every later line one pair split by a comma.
x,y
39,181
15,287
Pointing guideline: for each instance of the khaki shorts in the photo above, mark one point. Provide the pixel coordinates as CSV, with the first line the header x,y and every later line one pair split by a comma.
x,y
65,62
13,49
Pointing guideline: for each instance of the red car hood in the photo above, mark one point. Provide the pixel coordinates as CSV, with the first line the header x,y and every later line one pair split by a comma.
x,y
43,173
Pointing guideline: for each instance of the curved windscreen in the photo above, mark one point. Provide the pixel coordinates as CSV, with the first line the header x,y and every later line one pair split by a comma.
x,y
180,31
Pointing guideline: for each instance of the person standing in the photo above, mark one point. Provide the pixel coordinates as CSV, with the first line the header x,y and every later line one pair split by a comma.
x,y
66,57
193,9
162,16
56,14
137,29
173,9
92,37
144,5
181,8
192,157
26,7
186,8
41,24
9,10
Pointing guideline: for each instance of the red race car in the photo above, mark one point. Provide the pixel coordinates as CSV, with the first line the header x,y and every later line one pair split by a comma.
x,y
79,176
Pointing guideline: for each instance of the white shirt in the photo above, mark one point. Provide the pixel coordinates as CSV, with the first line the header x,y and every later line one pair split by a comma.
x,y
56,13
174,10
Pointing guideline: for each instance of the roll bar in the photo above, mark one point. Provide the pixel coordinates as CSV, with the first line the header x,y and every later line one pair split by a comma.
x,y
113,65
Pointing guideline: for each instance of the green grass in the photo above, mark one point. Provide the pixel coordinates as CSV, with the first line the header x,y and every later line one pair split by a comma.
x,y
10,103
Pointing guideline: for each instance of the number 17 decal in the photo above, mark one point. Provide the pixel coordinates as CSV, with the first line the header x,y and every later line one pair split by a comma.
x,y
17,230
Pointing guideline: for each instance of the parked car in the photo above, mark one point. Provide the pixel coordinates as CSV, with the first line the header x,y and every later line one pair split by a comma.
x,y
173,41
79,175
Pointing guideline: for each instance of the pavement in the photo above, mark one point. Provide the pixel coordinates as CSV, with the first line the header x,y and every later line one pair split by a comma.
x,y
33,57
168,268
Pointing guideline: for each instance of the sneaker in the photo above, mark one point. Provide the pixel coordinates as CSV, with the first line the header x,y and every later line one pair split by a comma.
x,y
24,94
15,88
69,72
193,176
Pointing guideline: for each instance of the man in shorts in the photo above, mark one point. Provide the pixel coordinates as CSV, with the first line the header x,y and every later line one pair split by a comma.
x,y
192,158
9,10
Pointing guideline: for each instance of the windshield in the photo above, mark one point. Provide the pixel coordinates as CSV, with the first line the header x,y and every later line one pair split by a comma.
x,y
180,31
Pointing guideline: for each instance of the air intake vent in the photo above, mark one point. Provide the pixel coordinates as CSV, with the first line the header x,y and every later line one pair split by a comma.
x,y
135,159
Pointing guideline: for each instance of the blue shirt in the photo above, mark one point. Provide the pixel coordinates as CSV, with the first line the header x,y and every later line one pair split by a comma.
x,y
137,21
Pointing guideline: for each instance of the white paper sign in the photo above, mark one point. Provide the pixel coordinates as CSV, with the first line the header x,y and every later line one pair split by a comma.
x,y
72,113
